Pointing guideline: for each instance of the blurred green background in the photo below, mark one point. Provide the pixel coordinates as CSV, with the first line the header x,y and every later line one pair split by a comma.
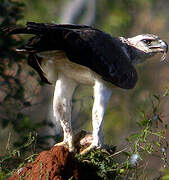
x,y
26,103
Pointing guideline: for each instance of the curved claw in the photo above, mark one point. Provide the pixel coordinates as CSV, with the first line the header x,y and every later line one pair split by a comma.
x,y
88,149
65,144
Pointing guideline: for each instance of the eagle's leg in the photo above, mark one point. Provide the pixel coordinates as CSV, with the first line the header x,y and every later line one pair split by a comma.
x,y
102,94
62,104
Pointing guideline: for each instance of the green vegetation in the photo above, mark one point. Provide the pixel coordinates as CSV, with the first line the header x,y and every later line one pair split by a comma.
x,y
131,162
17,158
21,127
128,163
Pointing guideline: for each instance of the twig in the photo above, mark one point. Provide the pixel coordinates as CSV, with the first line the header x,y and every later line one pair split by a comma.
x,y
119,152
9,138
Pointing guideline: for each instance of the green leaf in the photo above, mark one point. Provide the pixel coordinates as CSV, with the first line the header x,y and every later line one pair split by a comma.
x,y
126,153
166,93
2,177
158,144
122,171
156,97
132,137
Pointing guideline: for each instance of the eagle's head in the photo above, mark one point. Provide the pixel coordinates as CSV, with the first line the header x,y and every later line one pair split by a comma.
x,y
145,46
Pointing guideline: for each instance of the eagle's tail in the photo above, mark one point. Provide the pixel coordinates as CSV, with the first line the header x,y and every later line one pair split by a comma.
x,y
30,28
42,28
35,44
46,36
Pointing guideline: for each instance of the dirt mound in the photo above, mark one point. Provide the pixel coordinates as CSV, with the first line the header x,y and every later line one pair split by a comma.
x,y
55,164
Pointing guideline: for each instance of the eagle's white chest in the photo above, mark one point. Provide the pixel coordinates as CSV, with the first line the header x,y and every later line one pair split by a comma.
x,y
55,62
57,68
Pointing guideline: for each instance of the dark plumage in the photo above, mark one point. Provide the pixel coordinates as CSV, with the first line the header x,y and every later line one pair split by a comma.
x,y
83,45
68,55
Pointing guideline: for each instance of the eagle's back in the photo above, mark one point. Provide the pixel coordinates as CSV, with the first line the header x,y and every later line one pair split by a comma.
x,y
83,45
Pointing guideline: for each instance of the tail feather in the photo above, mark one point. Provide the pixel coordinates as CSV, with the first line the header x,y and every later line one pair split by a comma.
x,y
42,28
47,36
21,30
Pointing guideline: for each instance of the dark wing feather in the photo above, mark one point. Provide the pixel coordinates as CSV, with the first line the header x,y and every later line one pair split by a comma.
x,y
102,54
83,45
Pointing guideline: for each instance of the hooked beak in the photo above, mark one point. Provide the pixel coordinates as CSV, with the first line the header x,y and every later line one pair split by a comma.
x,y
162,47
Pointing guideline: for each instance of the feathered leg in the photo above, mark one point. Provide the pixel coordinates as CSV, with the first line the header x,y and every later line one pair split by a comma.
x,y
62,104
102,95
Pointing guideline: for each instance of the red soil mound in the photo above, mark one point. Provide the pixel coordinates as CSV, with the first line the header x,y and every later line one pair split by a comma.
x,y
55,164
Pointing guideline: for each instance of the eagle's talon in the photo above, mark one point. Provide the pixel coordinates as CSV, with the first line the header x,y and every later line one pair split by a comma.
x,y
61,144
65,144
88,149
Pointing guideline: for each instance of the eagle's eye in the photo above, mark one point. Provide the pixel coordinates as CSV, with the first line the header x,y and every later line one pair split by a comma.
x,y
147,41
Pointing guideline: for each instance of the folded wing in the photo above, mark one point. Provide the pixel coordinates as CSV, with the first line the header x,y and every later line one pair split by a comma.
x,y
83,45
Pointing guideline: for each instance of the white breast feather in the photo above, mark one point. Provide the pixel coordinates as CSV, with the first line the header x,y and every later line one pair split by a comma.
x,y
57,61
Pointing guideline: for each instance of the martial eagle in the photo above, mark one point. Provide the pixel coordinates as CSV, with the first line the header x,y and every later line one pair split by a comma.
x,y
67,55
